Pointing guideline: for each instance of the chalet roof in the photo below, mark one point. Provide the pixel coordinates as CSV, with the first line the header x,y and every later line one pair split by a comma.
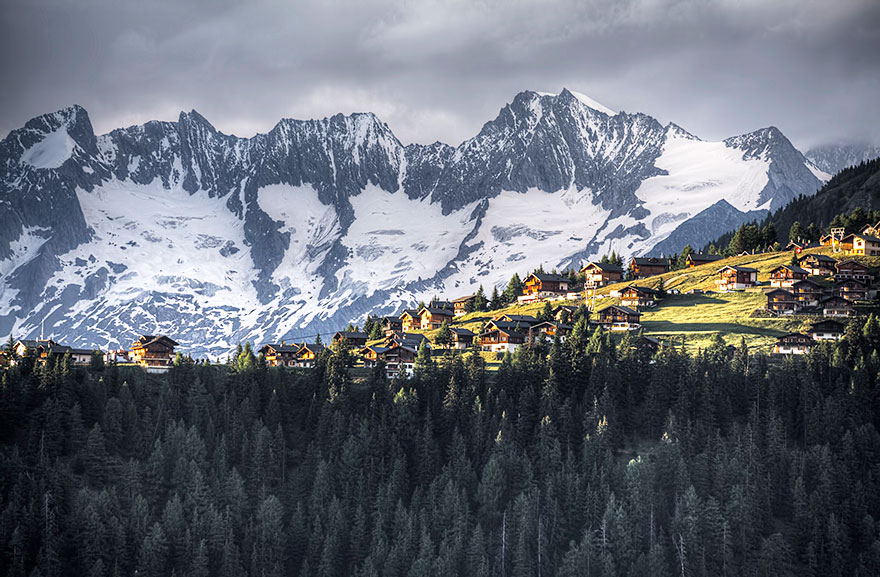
x,y
375,348
462,332
650,261
281,348
436,311
415,338
794,269
568,308
621,308
780,290
704,257
867,237
312,347
519,318
642,289
849,281
604,267
547,277
851,261
812,281
414,313
564,326
351,335
440,304
146,340
826,325
464,299
836,298
391,319
81,351
503,325
508,332
818,257
798,336
739,269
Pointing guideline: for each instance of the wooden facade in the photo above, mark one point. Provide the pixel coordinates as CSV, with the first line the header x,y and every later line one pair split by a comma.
x,y
827,330
461,304
851,289
433,318
836,306
599,274
619,318
500,340
354,339
638,297
736,278
390,324
694,259
852,269
862,244
808,292
542,284
793,344
153,352
410,320
462,338
786,275
818,264
307,354
782,301
549,330
280,355
644,267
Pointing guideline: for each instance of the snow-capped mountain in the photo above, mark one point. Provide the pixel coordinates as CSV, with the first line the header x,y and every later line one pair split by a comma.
x,y
176,228
833,158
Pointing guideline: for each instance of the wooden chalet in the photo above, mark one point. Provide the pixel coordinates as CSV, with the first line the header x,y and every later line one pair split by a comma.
x,y
782,301
852,269
372,354
695,259
643,267
618,318
501,340
861,244
599,274
639,297
736,278
827,330
793,344
41,349
462,338
549,330
835,306
280,355
434,317
410,320
799,246
355,339
438,304
808,292
851,289
399,359
155,353
461,304
539,284
786,275
412,340
818,264
392,324
307,354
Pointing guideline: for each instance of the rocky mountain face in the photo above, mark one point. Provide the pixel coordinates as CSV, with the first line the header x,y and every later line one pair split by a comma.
x,y
175,227
833,158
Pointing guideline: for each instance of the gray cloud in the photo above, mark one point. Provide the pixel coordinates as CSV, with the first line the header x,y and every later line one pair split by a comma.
x,y
438,69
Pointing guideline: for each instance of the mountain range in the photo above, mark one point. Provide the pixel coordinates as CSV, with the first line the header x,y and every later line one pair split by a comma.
x,y
177,228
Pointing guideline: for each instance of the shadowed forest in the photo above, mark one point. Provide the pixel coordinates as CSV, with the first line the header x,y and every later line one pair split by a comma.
x,y
593,457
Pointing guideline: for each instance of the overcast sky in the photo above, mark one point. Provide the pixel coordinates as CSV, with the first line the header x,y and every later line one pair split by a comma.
x,y
437,70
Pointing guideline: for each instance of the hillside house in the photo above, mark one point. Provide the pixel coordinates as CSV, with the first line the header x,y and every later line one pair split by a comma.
x,y
782,301
851,289
524,321
280,355
501,340
798,246
862,244
390,324
643,267
818,264
827,330
835,306
433,317
793,344
618,318
372,354
412,340
307,354
542,285
461,305
548,330
736,278
155,353
852,269
639,297
599,274
786,275
354,339
808,292
695,259
410,320
462,338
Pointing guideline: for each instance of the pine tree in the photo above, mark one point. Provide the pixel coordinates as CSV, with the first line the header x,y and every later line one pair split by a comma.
x,y
443,338
480,300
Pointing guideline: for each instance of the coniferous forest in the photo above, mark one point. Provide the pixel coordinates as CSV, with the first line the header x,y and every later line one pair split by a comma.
x,y
594,457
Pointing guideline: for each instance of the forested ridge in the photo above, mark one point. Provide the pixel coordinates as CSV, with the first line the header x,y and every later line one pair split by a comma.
x,y
593,457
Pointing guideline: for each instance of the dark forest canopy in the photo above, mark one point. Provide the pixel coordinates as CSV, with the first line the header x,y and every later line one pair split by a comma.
x,y
593,457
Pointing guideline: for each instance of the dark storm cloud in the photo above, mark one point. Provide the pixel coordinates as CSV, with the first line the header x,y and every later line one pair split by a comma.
x,y
436,70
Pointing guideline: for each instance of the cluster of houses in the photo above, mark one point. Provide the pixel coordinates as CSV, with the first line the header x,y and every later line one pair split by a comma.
x,y
819,285
801,343
154,353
